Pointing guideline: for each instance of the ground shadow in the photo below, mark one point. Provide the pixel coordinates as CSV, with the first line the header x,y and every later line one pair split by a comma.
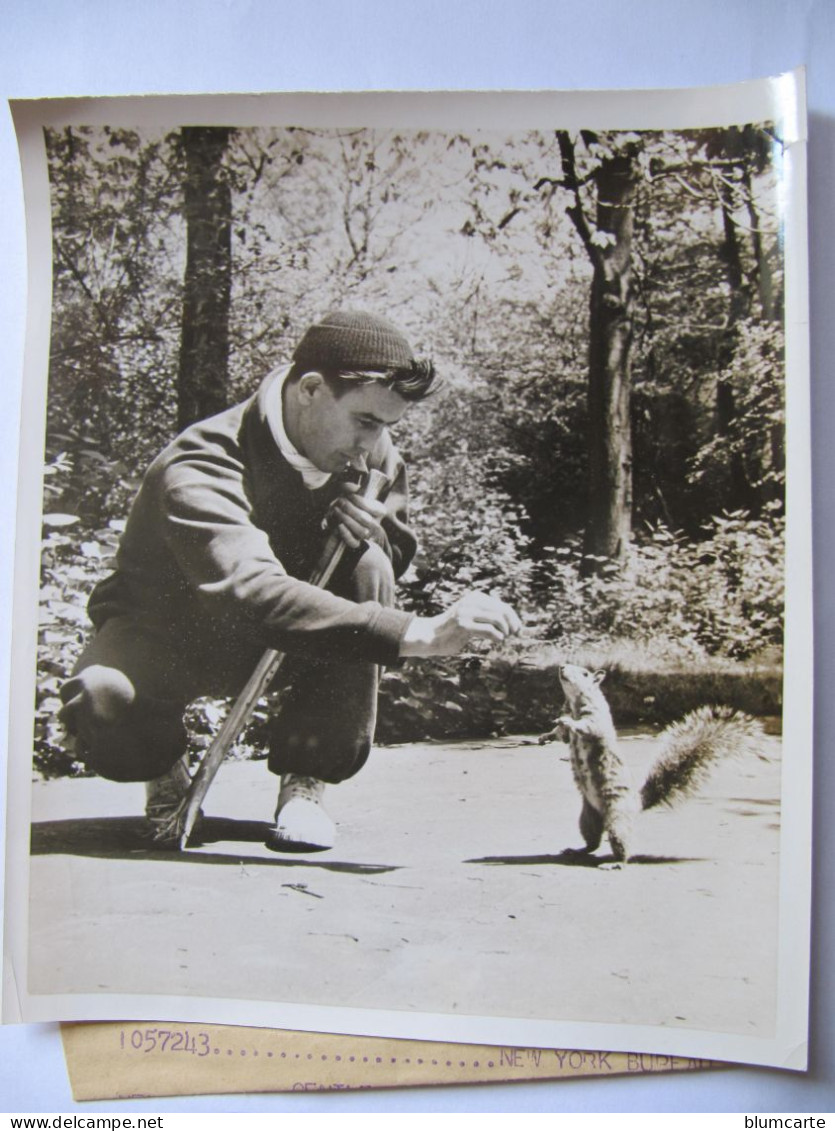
x,y
761,802
126,838
571,859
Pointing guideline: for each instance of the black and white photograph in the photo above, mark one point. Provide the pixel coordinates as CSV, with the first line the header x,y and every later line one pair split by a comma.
x,y
419,547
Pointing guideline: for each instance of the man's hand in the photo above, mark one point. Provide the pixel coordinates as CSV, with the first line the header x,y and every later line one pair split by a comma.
x,y
356,519
476,616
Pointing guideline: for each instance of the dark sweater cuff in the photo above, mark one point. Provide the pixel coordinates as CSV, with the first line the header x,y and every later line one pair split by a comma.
x,y
389,628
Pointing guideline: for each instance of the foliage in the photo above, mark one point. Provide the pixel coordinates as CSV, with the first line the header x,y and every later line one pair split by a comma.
x,y
469,530
754,436
464,240
490,695
721,595
116,312
73,559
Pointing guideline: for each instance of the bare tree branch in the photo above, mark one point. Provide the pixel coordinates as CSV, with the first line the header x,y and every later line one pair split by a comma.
x,y
575,211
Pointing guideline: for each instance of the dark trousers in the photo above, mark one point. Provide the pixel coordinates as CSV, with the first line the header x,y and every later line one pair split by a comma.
x,y
127,695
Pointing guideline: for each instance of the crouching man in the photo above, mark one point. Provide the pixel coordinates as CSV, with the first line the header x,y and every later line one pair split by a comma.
x,y
227,524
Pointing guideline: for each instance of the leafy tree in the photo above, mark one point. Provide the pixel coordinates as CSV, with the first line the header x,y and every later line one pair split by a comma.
x,y
613,173
116,310
683,284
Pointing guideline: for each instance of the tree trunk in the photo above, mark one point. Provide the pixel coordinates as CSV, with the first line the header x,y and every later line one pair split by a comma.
x,y
739,494
610,364
202,386
762,270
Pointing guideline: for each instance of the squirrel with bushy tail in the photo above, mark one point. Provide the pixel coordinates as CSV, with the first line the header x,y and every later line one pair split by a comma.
x,y
690,749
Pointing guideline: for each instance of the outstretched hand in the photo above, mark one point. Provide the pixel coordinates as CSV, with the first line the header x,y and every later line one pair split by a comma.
x,y
476,616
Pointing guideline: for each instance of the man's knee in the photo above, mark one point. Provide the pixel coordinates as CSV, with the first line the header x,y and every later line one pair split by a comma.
x,y
319,756
373,577
117,734
104,694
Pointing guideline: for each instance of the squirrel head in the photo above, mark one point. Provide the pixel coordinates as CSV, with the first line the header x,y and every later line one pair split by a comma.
x,y
580,685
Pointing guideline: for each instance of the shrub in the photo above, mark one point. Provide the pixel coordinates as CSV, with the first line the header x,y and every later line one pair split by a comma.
x,y
72,561
719,596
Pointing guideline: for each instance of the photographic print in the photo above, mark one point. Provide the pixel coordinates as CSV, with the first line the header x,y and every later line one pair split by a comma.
x,y
415,544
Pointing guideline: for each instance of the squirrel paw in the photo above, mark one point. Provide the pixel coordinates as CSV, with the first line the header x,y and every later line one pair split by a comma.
x,y
561,732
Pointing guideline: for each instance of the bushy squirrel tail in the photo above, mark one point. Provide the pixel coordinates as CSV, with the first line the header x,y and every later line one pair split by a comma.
x,y
692,747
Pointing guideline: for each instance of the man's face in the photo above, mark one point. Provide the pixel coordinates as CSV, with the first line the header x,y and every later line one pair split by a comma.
x,y
336,432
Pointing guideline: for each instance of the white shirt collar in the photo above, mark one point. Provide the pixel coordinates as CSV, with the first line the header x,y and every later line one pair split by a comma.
x,y
312,475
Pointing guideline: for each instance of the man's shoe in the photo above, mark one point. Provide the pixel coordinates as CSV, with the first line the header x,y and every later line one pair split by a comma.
x,y
301,823
163,798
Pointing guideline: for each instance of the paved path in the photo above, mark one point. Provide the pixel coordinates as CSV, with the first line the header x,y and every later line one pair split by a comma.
x,y
447,892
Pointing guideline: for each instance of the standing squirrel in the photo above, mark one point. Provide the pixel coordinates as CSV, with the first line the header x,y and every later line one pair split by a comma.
x,y
689,750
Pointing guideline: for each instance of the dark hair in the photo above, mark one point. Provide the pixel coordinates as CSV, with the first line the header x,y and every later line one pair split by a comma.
x,y
413,382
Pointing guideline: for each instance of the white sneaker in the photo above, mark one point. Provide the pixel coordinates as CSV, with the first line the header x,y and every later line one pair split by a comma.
x,y
163,797
301,823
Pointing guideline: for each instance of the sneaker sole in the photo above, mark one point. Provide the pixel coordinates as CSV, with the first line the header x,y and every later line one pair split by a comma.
x,y
277,843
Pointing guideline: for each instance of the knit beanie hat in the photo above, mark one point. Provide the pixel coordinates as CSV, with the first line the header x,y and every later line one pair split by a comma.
x,y
353,340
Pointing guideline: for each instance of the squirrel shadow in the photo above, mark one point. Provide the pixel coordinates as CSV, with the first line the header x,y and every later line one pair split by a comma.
x,y
574,858
126,838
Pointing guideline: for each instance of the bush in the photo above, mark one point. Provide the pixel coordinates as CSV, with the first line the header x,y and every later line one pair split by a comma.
x,y
72,561
478,544
722,596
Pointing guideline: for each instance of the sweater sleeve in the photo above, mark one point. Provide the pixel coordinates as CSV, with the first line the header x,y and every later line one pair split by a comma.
x,y
228,560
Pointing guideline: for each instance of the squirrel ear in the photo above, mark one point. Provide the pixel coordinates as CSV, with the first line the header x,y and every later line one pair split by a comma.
x,y
599,676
